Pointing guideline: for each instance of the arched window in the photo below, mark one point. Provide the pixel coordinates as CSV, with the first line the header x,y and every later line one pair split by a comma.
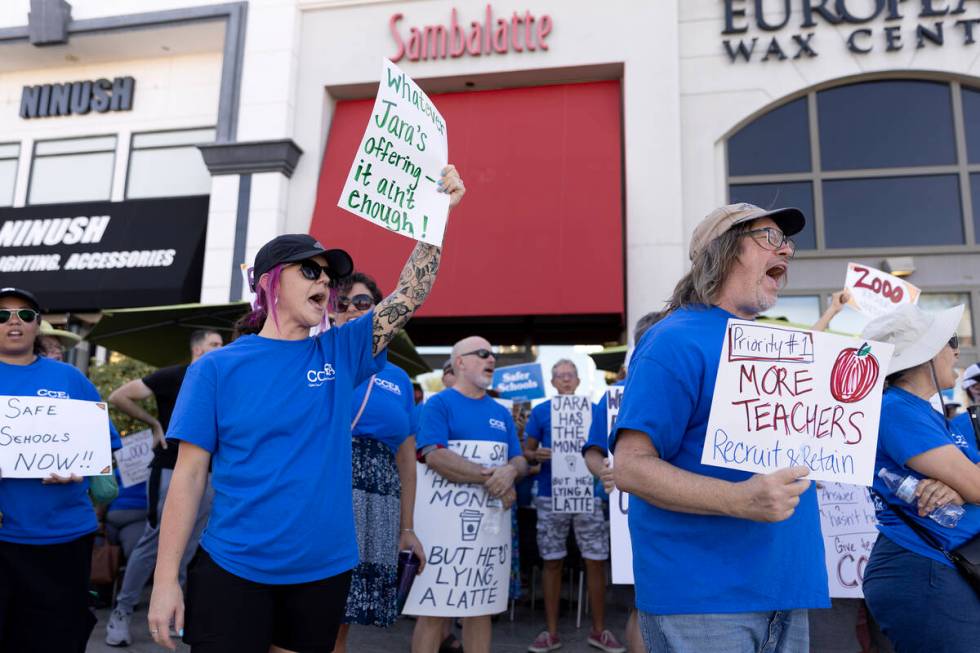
x,y
888,163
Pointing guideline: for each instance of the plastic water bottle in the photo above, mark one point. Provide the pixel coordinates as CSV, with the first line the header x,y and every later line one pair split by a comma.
x,y
904,488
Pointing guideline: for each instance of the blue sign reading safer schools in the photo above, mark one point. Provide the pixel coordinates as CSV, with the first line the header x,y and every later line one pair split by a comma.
x,y
519,382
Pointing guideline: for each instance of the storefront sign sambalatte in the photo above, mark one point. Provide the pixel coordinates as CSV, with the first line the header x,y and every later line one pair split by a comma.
x,y
77,98
94,255
877,26
518,32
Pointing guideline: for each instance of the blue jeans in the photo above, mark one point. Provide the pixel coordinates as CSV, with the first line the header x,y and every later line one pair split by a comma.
x,y
920,604
743,632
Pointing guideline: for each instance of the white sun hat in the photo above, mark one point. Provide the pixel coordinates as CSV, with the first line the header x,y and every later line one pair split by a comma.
x,y
971,377
917,336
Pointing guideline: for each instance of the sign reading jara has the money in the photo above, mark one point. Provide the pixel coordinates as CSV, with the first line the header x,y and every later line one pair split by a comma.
x,y
572,485
40,436
393,180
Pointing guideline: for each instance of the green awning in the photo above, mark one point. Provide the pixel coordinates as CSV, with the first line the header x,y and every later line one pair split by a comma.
x,y
159,335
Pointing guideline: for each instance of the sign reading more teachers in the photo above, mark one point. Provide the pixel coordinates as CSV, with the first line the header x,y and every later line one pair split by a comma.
x,y
40,436
875,293
786,397
572,485
847,520
467,541
619,505
392,181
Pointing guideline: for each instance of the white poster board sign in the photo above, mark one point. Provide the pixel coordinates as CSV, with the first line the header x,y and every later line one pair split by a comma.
x,y
847,519
392,181
786,397
874,292
40,436
133,460
619,503
466,535
572,484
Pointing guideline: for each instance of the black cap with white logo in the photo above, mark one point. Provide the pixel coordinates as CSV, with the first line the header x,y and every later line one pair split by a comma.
x,y
290,248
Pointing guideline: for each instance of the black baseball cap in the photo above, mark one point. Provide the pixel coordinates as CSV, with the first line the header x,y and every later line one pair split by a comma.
x,y
290,248
22,294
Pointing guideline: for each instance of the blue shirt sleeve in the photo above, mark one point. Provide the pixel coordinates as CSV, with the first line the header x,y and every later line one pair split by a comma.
x,y
434,424
416,419
909,432
195,416
598,437
89,392
657,401
354,342
535,424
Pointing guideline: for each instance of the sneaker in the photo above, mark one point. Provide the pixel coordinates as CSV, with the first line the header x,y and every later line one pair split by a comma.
x,y
606,641
544,642
117,630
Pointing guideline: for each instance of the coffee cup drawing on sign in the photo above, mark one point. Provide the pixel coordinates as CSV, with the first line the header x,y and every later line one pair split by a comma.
x,y
572,461
469,522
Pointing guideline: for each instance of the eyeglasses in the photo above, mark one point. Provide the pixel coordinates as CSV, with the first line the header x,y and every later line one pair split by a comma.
x,y
311,270
775,238
565,376
954,342
24,314
479,353
361,302
448,369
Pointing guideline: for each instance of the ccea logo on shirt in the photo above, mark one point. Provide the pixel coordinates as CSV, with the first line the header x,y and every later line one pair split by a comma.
x,y
317,377
498,424
960,441
54,394
388,385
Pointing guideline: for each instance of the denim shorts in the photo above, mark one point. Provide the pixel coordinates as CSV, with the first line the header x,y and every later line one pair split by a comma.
x,y
742,632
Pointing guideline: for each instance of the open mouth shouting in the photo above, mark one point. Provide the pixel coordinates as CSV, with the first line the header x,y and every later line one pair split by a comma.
x,y
776,275
318,300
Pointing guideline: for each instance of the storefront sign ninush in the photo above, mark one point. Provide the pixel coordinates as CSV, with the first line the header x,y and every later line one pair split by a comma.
x,y
518,33
77,98
877,26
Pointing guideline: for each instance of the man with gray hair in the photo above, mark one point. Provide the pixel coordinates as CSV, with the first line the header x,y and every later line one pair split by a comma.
x,y
591,529
724,560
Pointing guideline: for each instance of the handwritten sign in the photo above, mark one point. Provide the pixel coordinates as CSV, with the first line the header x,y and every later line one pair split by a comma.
x,y
619,505
467,541
786,397
392,181
133,460
572,485
40,436
847,519
875,293
519,382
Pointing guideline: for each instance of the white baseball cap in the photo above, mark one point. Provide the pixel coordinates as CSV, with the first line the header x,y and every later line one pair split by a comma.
x,y
917,336
971,377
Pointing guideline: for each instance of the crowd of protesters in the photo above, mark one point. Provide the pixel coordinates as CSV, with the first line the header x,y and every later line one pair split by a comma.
x,y
291,459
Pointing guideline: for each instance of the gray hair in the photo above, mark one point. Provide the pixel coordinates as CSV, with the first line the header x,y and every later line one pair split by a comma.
x,y
563,361
645,322
709,270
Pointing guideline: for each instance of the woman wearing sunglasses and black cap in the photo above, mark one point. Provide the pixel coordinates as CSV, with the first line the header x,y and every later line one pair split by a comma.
x,y
47,526
272,412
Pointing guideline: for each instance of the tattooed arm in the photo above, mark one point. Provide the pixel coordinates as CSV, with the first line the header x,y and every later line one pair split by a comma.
x,y
417,277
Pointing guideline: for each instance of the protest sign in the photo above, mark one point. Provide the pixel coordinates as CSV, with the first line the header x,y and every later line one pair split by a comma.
x,y
392,181
572,485
847,519
875,293
786,397
40,436
519,382
133,460
619,528
467,541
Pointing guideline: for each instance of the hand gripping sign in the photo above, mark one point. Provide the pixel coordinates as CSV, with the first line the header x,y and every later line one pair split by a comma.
x,y
466,535
392,181
786,397
875,293
847,520
40,436
619,503
572,485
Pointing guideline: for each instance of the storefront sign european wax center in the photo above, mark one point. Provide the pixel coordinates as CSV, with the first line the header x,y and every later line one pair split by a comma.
x,y
780,30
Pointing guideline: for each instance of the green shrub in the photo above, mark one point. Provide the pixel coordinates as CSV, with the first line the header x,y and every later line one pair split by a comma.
x,y
111,376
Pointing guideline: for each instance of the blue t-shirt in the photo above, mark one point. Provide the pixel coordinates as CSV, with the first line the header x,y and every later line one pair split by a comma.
x,y
911,426
963,425
598,431
34,513
389,416
275,416
450,415
539,427
694,564
130,498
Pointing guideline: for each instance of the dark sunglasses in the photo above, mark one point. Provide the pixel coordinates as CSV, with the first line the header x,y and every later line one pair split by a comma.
x,y
954,342
311,270
479,353
25,314
361,302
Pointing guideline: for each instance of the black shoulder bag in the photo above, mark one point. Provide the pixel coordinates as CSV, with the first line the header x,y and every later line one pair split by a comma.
x,y
966,557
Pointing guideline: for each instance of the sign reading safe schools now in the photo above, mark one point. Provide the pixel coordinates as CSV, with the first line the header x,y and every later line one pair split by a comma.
x,y
786,397
95,255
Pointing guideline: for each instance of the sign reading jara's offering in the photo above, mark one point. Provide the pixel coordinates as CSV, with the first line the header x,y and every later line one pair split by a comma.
x,y
392,181
875,293
572,486
786,397
40,436
133,460
466,535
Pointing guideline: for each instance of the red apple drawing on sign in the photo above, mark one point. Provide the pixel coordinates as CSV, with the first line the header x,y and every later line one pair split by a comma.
x,y
854,374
